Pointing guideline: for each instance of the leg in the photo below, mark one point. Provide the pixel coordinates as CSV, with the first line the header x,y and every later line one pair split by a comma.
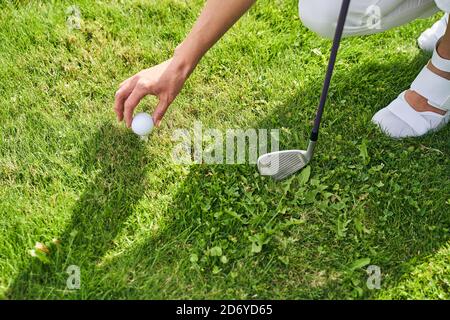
x,y
428,39
425,107
365,16
417,101
444,46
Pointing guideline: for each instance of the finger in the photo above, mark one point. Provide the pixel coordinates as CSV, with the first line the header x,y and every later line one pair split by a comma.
x,y
123,82
160,111
131,103
120,98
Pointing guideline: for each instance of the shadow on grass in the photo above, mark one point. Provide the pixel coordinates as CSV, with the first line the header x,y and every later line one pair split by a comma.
x,y
231,206
115,164
305,253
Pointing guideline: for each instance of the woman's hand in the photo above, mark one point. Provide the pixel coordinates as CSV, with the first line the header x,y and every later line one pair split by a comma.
x,y
164,81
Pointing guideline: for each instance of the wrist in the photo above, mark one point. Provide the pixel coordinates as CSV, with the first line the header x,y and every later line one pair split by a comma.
x,y
186,56
182,65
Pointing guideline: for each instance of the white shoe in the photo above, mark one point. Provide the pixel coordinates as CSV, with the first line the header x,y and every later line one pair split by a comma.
x,y
400,120
428,39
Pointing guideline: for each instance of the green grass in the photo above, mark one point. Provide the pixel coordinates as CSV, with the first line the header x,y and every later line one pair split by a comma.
x,y
139,226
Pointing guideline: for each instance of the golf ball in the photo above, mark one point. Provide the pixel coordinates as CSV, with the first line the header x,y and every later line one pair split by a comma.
x,y
142,124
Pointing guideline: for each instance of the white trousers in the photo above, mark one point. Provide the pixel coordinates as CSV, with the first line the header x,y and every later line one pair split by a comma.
x,y
366,16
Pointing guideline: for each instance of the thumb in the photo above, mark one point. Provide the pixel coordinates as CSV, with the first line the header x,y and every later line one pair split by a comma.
x,y
159,112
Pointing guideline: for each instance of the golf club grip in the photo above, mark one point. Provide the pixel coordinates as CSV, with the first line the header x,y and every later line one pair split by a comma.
x,y
331,63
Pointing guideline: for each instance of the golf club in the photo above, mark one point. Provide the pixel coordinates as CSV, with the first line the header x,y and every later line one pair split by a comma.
x,y
282,164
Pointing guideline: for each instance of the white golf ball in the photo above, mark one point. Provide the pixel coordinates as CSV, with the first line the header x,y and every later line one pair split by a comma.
x,y
142,124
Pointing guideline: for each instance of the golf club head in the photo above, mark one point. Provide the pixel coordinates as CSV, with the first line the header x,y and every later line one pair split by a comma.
x,y
282,164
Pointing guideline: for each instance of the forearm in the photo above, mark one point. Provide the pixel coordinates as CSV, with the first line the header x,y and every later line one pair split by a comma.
x,y
215,19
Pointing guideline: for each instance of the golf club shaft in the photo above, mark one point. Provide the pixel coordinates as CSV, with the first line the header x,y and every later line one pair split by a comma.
x,y
331,63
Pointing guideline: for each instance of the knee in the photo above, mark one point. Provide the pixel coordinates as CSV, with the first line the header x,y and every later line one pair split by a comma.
x,y
319,16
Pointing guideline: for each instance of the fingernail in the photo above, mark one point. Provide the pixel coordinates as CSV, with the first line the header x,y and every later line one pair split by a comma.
x,y
158,123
